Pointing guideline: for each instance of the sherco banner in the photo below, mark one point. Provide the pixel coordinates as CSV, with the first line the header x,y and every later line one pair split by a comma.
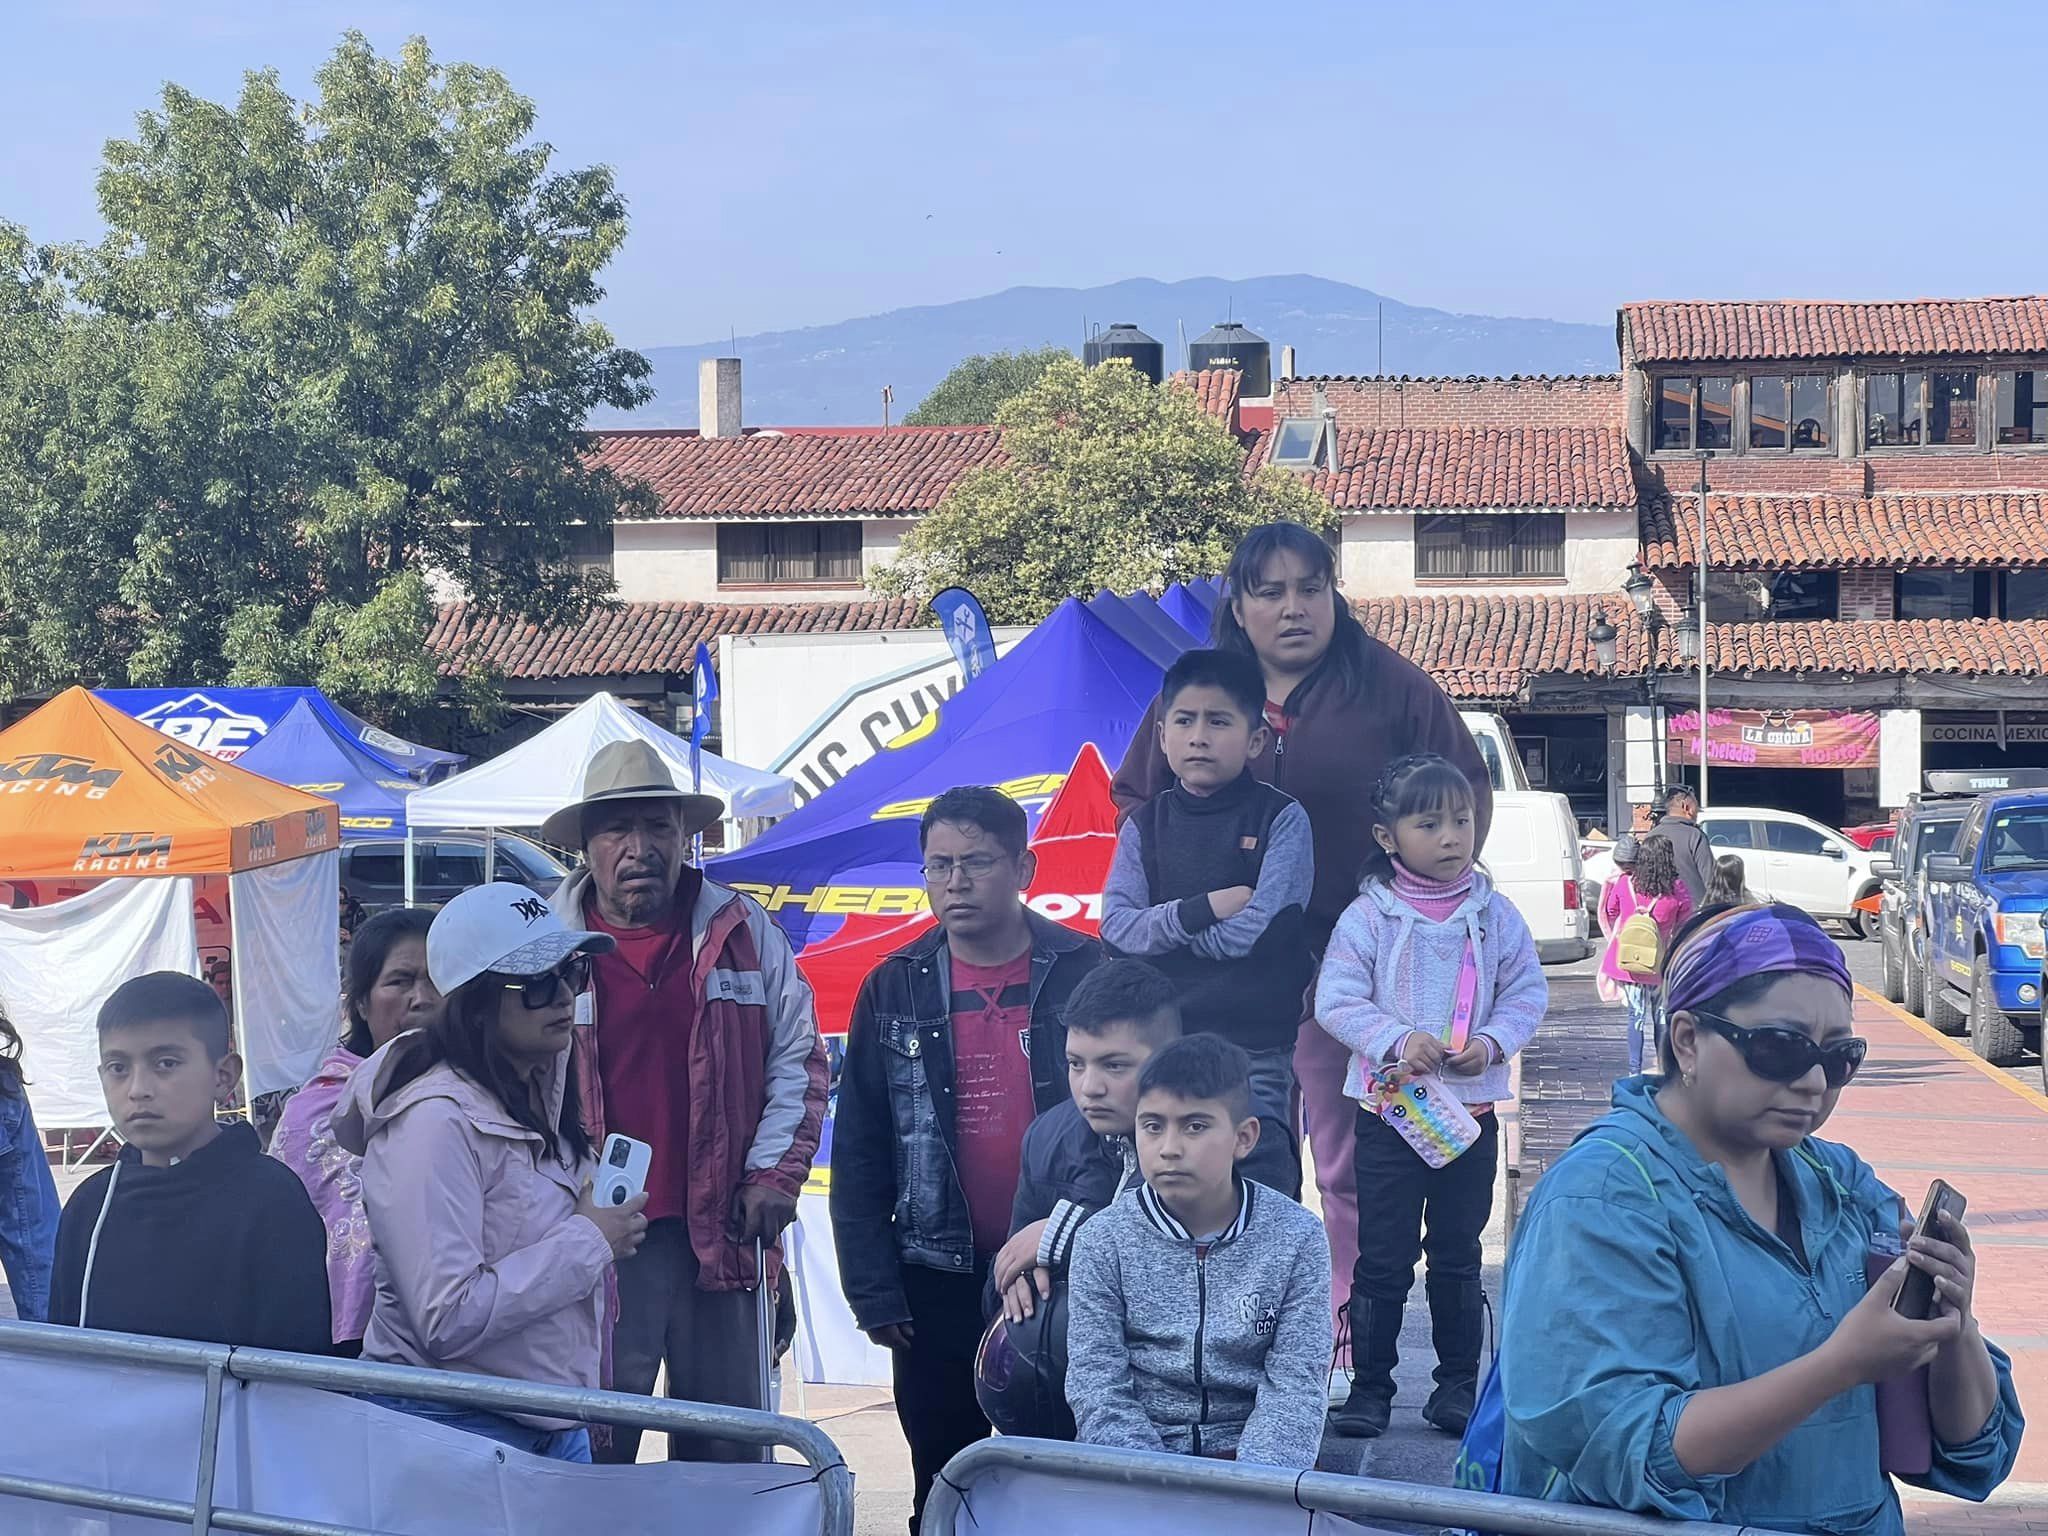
x,y
1778,738
1083,676
226,722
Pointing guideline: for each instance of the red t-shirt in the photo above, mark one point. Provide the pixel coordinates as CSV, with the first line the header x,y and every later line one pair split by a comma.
x,y
992,1103
646,1013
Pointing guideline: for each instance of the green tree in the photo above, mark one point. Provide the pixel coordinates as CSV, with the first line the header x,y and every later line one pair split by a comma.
x,y
327,355
1107,480
969,395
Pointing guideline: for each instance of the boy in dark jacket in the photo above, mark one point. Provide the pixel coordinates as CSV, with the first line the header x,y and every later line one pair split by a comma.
x,y
193,1233
1211,883
1080,1155
955,1044
1199,1305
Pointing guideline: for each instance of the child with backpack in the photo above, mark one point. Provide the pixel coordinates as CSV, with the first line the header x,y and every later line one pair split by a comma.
x,y
1431,980
1643,906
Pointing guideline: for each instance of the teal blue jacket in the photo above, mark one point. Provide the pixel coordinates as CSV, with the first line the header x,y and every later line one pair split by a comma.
x,y
1637,1279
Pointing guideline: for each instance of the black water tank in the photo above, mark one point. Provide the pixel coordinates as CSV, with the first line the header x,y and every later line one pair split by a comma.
x,y
1127,341
1228,344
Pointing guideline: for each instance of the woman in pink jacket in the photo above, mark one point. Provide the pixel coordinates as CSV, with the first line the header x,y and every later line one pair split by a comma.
x,y
491,1256
1647,882
385,993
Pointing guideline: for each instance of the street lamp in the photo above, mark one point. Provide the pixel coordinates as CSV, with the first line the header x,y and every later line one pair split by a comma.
x,y
1689,635
1640,590
1604,638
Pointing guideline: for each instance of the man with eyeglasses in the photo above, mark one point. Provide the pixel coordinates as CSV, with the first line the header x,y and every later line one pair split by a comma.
x,y
957,1041
702,1041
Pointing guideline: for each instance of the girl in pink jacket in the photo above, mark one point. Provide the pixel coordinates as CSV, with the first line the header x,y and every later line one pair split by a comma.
x,y
491,1256
1647,882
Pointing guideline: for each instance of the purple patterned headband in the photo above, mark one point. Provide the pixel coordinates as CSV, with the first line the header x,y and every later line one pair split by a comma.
x,y
1749,941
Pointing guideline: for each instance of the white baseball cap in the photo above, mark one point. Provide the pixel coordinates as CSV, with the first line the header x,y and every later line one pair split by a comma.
x,y
504,928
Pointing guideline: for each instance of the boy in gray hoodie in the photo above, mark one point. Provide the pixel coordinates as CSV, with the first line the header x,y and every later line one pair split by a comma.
x,y
1199,1303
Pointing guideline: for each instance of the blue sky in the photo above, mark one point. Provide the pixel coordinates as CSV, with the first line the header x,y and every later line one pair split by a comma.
x,y
804,163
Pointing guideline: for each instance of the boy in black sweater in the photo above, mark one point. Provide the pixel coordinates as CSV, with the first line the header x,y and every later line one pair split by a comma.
x,y
1210,883
193,1233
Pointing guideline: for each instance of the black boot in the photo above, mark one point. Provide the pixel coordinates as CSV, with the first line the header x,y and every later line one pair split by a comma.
x,y
1456,1323
1375,1351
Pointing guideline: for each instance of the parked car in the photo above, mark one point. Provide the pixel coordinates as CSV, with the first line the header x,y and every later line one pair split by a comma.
x,y
373,870
1532,848
1877,836
1787,857
1987,903
1925,827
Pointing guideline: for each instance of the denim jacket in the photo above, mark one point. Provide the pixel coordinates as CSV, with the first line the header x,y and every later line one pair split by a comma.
x,y
896,1196
28,1207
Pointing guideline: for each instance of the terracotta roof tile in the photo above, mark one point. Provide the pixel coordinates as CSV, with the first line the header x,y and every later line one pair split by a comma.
x,y
635,638
1757,533
1474,467
1960,647
1216,388
1763,332
798,473
1490,648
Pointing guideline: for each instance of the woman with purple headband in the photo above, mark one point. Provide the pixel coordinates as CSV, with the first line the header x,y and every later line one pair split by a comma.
x,y
1687,1330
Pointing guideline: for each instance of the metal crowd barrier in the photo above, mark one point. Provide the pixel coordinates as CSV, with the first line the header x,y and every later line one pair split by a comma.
x,y
1353,1497
219,1362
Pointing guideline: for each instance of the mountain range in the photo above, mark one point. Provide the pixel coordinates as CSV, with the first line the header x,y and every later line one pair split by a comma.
x,y
833,375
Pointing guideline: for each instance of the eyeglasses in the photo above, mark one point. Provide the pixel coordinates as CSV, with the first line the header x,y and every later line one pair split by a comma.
x,y
538,992
976,867
1781,1055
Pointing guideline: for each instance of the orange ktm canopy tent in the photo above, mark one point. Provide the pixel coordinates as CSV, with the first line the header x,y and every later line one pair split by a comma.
x,y
85,790
107,824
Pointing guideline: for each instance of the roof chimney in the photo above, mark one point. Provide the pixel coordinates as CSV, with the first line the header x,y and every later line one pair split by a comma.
x,y
718,397
1287,362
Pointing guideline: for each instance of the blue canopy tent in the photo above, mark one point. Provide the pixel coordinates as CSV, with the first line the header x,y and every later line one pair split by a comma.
x,y
1085,674
226,722
306,751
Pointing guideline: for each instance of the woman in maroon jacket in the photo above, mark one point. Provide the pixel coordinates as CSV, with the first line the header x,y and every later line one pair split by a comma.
x,y
1341,706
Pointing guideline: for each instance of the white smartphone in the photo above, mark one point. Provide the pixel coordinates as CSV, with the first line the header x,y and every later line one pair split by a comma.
x,y
621,1170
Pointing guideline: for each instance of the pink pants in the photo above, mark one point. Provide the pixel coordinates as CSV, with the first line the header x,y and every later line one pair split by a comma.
x,y
1320,1066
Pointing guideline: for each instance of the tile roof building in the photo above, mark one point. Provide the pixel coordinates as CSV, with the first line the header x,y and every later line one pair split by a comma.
x,y
1876,526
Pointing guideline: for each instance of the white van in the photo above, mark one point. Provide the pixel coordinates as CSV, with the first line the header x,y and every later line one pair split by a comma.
x,y
1532,849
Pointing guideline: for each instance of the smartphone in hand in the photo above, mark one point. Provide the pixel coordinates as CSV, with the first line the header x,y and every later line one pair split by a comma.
x,y
621,1170
1916,1296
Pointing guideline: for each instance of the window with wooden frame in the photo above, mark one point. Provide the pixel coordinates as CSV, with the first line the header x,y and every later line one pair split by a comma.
x,y
1921,408
1694,411
1790,412
789,554
1490,546
2020,416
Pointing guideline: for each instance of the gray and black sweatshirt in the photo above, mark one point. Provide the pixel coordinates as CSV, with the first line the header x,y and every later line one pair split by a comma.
x,y
1243,977
1201,1348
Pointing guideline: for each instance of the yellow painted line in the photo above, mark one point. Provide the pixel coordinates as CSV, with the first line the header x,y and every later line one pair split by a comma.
x,y
1957,1049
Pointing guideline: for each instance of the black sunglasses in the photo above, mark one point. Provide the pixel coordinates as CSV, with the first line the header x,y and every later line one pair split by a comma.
x,y
1782,1055
538,992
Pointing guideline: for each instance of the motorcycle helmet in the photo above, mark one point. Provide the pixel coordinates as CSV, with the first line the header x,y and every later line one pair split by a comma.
x,y
1020,1373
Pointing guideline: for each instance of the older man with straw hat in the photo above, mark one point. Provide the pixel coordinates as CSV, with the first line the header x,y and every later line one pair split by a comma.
x,y
702,1041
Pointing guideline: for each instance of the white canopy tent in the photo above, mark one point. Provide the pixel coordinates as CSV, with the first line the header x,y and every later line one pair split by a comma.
x,y
528,784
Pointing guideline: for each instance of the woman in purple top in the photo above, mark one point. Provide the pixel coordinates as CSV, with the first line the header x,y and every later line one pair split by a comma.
x,y
386,993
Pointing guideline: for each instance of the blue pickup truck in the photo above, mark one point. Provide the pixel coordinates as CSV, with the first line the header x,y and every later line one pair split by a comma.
x,y
1987,901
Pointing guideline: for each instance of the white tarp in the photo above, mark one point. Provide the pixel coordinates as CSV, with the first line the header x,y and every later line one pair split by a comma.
x,y
317,1456
829,1345
528,784
287,968
59,963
